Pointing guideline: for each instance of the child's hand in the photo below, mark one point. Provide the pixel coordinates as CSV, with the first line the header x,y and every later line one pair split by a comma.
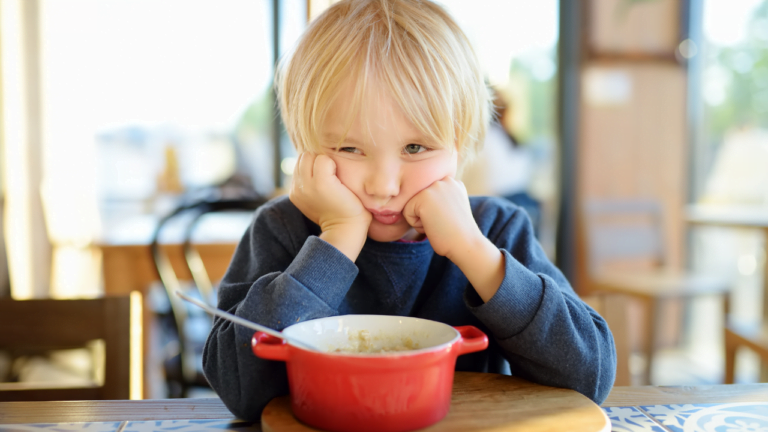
x,y
442,212
320,195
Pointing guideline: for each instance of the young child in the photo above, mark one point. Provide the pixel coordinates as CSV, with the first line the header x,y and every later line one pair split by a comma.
x,y
384,101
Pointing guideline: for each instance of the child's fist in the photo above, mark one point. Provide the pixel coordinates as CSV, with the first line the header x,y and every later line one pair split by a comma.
x,y
320,195
442,212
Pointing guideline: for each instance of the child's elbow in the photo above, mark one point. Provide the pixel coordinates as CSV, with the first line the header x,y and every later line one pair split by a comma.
x,y
229,391
604,386
605,374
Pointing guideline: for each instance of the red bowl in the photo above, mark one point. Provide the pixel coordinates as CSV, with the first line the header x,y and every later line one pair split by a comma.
x,y
382,392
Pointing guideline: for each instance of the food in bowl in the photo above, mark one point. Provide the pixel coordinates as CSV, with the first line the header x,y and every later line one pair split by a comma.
x,y
384,390
362,342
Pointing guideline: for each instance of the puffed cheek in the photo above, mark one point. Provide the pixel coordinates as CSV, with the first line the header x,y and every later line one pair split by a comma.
x,y
350,175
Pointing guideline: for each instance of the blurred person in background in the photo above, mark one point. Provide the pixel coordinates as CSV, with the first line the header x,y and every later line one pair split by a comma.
x,y
504,168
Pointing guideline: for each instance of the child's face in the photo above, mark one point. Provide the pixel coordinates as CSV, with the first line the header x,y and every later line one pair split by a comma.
x,y
384,159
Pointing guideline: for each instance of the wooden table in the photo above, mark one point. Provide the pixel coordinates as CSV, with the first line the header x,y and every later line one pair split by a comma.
x,y
485,402
184,414
740,217
743,217
127,258
698,408
481,402
128,264
667,395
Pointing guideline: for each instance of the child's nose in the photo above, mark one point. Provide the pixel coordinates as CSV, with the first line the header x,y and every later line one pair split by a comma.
x,y
383,181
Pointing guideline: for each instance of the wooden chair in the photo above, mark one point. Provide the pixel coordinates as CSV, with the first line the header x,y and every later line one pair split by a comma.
x,y
186,327
624,232
45,325
741,335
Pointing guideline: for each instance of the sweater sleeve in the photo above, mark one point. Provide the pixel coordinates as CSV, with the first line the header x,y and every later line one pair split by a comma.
x,y
277,277
548,334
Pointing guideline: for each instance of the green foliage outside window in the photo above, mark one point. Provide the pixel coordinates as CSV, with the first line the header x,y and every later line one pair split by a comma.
x,y
743,71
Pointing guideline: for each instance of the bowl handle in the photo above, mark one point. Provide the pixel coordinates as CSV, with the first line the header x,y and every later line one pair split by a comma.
x,y
472,339
269,347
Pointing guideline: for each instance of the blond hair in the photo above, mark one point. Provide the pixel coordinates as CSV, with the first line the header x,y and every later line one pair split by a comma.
x,y
412,47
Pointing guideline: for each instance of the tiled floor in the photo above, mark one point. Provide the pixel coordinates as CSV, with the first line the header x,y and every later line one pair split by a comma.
x,y
735,417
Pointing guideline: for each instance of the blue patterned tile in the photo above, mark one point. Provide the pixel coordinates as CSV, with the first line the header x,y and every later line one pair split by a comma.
x,y
673,417
192,426
630,419
734,417
63,427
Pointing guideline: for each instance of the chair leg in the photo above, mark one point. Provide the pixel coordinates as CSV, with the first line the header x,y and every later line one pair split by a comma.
x,y
730,358
729,342
651,333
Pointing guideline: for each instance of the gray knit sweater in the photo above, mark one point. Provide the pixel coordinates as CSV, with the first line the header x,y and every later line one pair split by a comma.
x,y
282,273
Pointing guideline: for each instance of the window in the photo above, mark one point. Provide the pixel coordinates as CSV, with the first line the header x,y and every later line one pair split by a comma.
x,y
516,42
734,147
730,156
145,99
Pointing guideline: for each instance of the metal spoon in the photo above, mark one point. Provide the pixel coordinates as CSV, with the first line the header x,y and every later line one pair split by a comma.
x,y
244,322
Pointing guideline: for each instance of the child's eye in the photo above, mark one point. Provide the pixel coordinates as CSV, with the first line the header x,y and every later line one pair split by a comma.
x,y
414,148
354,150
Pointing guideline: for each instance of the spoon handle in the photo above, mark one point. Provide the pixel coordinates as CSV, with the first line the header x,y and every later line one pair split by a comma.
x,y
237,320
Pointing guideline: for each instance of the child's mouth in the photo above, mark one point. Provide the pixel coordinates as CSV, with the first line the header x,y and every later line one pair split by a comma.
x,y
387,218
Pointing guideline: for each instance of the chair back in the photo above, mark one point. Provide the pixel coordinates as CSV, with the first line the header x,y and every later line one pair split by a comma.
x,y
622,232
41,325
189,349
